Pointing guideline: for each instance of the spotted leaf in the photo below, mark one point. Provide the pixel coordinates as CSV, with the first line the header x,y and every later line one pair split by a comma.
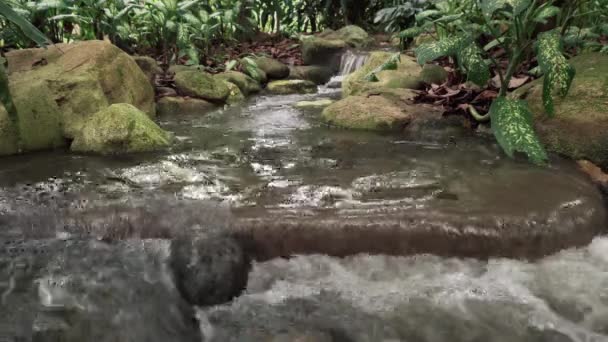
x,y
558,72
448,46
488,7
512,126
471,61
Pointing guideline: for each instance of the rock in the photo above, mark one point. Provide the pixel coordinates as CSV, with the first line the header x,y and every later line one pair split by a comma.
x,y
319,104
165,91
579,129
8,134
55,90
424,38
174,69
120,128
319,51
292,87
314,73
596,174
433,74
209,270
273,68
149,66
352,35
247,84
236,95
202,85
406,76
172,105
259,76
82,290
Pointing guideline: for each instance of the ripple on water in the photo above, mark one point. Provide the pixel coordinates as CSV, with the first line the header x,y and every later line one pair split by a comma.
x,y
425,298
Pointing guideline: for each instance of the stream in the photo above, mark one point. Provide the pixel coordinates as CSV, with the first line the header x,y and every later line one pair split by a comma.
x,y
267,162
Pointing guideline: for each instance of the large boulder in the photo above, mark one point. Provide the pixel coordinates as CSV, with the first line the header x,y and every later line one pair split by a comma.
x,y
579,129
391,110
247,84
55,90
352,35
407,75
326,48
201,85
8,134
314,73
284,87
172,105
273,68
149,66
120,128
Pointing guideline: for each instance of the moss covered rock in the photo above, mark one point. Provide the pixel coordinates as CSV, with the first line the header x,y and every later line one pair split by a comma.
x,y
149,67
273,68
579,129
201,85
292,87
390,110
120,128
407,75
433,74
236,95
173,105
8,134
315,73
259,75
352,35
320,51
247,84
57,89
318,104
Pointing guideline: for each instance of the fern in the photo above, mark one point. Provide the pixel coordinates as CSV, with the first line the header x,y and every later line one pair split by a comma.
x,y
512,126
558,72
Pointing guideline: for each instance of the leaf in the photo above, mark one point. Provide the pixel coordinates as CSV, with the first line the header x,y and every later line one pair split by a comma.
x,y
546,13
412,32
513,129
29,30
558,72
470,59
447,46
425,14
488,7
231,64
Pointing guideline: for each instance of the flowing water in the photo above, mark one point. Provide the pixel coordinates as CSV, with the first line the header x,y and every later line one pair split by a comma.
x,y
349,62
268,159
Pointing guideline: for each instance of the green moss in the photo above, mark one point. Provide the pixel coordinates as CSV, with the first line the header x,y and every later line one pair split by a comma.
x,y
578,129
247,84
352,35
236,95
292,87
120,128
8,136
201,85
433,74
183,105
406,76
273,68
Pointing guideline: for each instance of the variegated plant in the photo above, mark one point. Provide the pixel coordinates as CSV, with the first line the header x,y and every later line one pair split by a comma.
x,y
511,119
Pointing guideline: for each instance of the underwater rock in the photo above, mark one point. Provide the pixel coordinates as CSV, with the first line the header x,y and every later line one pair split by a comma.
x,y
120,128
209,270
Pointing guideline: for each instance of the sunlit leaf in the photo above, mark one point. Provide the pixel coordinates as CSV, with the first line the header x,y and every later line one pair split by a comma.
x,y
558,72
514,131
448,46
488,7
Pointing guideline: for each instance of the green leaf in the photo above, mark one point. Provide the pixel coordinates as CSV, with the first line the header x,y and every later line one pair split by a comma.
x,y
514,131
471,61
231,64
29,30
546,13
558,72
448,46
488,7
412,32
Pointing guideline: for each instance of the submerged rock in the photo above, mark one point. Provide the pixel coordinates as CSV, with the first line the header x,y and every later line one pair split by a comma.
x,y
120,128
209,270
319,104
579,129
201,85
247,84
273,68
314,73
407,75
55,90
292,87
171,105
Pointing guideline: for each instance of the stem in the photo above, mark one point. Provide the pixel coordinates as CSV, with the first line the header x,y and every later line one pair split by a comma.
x,y
513,63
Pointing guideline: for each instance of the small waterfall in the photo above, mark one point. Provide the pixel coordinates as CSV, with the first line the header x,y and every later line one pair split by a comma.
x,y
349,63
